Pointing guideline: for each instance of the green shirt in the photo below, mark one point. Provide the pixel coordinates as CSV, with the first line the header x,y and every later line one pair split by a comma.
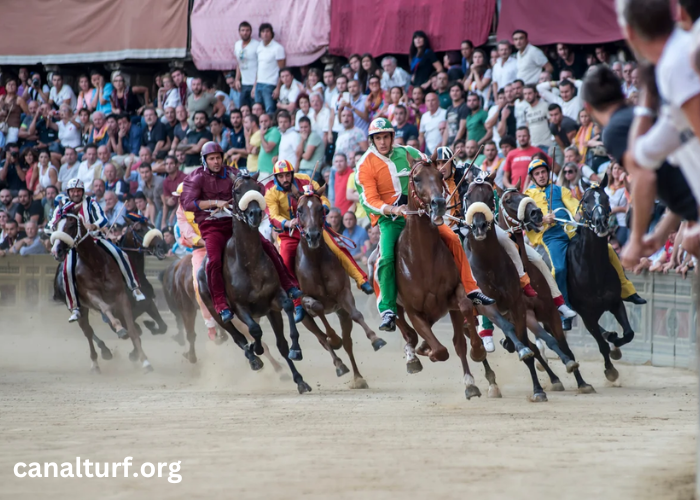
x,y
265,158
307,166
445,101
476,129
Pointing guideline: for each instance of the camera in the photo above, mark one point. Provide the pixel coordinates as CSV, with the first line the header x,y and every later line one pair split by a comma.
x,y
36,82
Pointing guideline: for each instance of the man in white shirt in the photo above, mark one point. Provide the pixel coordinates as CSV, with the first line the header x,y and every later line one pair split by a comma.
x,y
531,60
627,86
505,70
570,103
69,170
271,58
319,115
432,124
536,117
341,85
290,138
520,104
90,168
393,76
330,93
289,91
246,53
61,94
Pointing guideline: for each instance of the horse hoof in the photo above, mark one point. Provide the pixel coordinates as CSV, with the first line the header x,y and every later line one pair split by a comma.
x,y
478,354
414,366
180,339
285,377
303,387
586,389
440,354
256,364
147,368
220,339
539,366
423,349
192,358
557,387
571,366
295,355
258,348
378,344
494,392
472,391
96,370
615,353
123,334
611,374
525,353
359,383
106,354
335,342
539,397
507,344
341,370
133,356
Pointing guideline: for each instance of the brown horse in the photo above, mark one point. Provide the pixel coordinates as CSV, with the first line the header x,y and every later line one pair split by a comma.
x,y
322,277
252,284
99,284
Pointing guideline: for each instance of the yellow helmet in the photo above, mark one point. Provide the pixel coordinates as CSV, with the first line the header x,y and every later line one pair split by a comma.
x,y
282,166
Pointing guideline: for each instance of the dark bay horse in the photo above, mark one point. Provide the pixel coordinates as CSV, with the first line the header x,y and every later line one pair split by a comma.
x,y
322,277
99,284
252,284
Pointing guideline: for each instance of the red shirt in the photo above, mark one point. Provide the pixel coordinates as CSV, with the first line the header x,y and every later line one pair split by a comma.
x,y
169,187
203,184
340,186
517,162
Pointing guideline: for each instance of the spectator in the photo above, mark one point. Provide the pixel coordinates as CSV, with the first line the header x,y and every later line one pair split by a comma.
x,y
169,202
47,136
571,179
168,95
536,114
423,60
568,61
270,137
104,92
68,128
402,129
124,98
432,124
334,105
368,68
271,58
394,76
127,143
466,49
351,139
452,61
114,209
476,120
70,168
603,57
627,86
169,239
180,81
470,149
374,104
257,109
84,121
338,183
6,204
152,186
61,94
29,141
319,115
335,220
103,154
245,51
11,108
313,82
617,192
113,183
357,104
330,92
479,78
507,145
455,116
31,244
569,102
289,140
310,150
13,173
494,112
518,160
145,207
355,233
130,204
585,133
195,139
98,134
98,192
48,201
180,130
34,90
31,163
531,60
90,168
44,175
28,209
199,101
370,244
355,63
3,220
12,235
237,151
289,91
563,129
396,98
492,162
442,89
253,137
507,121
154,135
505,70
219,133
303,107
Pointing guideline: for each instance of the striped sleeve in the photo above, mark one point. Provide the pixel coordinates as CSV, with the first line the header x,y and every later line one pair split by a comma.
x,y
97,214
366,181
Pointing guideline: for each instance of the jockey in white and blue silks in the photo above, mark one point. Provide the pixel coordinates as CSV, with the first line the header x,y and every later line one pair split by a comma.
x,y
94,219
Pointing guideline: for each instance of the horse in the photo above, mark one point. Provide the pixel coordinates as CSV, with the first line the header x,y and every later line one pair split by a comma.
x,y
497,274
252,284
99,285
322,277
181,297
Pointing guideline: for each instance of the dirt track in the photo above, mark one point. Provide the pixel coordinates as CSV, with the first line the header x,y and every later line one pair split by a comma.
x,y
245,435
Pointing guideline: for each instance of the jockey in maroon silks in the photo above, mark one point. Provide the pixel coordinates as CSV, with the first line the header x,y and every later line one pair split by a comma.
x,y
204,191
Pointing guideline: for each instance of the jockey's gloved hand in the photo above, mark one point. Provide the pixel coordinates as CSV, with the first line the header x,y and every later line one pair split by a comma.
x,y
326,210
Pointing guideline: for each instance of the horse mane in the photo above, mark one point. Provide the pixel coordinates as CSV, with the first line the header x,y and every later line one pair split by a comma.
x,y
478,207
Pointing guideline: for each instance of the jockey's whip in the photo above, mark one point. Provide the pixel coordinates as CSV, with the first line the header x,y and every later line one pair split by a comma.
x,y
465,175
551,176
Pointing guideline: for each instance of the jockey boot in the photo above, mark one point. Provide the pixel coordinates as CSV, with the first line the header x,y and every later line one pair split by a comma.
x,y
136,292
367,288
529,291
388,322
566,311
635,299
75,315
479,298
294,293
299,313
226,315
566,324
487,339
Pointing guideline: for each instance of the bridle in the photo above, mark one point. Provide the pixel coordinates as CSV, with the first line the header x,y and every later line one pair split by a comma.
x,y
79,237
326,227
478,181
423,207
588,214
138,240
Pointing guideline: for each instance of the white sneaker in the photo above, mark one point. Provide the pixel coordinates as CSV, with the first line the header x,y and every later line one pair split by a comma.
x,y
566,311
75,316
138,295
488,343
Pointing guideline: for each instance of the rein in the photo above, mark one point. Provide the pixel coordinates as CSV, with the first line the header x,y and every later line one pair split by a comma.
x,y
422,210
344,239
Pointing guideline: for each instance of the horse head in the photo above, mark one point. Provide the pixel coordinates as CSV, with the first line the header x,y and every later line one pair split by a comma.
x,y
142,234
519,209
479,204
248,198
69,232
311,215
427,191
595,207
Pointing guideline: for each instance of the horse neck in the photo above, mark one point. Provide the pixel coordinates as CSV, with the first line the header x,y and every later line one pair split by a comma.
x,y
138,261
594,245
89,253
246,240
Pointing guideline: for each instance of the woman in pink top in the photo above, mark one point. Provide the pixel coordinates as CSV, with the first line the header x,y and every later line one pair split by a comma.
x,y
87,98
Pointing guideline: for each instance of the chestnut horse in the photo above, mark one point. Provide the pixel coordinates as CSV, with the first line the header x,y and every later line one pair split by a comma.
x,y
99,284
322,277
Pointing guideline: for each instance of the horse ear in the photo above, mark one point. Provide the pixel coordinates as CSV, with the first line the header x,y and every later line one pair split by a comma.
x,y
255,175
604,182
433,157
498,189
518,184
320,191
491,178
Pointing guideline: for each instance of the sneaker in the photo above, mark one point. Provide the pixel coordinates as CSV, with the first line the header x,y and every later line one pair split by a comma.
x,y
294,293
138,295
367,288
226,315
479,298
529,291
75,316
299,314
388,322
566,311
635,299
487,339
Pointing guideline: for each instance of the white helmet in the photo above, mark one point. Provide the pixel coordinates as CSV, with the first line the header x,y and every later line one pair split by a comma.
x,y
75,184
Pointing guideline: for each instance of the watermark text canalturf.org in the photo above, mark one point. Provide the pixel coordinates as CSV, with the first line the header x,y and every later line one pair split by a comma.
x,y
89,469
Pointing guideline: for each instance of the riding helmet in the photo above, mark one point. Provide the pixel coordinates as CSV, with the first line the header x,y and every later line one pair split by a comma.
x,y
380,125
75,184
282,166
210,147
444,153
537,163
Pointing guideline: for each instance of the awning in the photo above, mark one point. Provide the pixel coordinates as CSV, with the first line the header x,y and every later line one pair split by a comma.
x,y
565,21
359,26
75,31
301,26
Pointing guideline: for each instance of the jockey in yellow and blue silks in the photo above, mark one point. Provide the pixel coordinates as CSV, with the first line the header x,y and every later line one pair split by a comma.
x,y
555,237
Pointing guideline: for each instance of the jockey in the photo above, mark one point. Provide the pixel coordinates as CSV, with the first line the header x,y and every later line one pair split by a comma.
x,y
555,237
205,190
282,195
94,219
382,182
452,176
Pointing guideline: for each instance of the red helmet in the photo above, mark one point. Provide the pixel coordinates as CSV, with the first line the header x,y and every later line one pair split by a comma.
x,y
210,147
282,166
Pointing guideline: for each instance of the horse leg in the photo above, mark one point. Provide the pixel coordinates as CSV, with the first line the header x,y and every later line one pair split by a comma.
x,y
331,335
358,381
188,318
594,329
278,327
243,330
84,324
460,344
347,302
114,322
491,312
620,314
288,306
241,341
519,317
253,327
494,390
159,327
413,364
478,352
556,332
310,324
543,335
104,350
437,350
125,310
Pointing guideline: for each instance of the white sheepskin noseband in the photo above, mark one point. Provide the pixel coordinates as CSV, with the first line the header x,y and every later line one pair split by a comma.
x,y
64,237
149,237
523,205
252,196
478,208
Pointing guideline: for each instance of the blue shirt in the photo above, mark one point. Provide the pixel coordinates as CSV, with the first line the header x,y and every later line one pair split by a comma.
x,y
358,237
106,95
116,215
360,104
132,143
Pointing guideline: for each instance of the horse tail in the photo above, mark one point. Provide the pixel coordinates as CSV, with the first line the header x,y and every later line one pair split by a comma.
x,y
161,276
